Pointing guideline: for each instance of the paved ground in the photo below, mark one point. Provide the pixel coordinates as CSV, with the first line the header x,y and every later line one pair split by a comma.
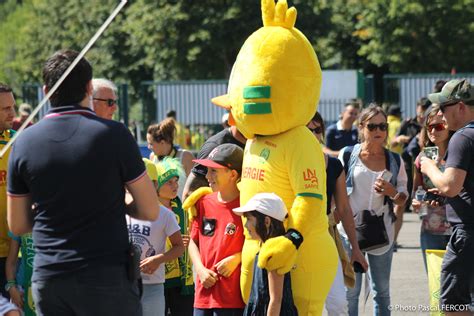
x,y
409,282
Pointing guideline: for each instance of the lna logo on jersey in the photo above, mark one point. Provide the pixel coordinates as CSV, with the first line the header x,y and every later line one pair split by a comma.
x,y
230,229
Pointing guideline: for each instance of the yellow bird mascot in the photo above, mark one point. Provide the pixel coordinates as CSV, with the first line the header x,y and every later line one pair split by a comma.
x,y
273,93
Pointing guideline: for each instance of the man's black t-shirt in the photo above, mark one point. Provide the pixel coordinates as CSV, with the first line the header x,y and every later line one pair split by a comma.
x,y
223,137
74,165
460,155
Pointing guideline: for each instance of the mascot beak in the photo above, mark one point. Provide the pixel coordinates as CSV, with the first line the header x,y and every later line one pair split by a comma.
x,y
224,102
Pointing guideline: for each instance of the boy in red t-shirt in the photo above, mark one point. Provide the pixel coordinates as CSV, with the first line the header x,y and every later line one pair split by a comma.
x,y
217,236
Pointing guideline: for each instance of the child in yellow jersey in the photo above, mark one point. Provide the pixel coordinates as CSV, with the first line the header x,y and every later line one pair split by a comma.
x,y
179,284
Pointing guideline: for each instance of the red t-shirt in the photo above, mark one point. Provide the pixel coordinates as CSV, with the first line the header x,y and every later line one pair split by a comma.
x,y
219,233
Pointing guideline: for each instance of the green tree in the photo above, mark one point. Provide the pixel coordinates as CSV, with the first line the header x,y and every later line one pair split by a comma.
x,y
418,35
14,24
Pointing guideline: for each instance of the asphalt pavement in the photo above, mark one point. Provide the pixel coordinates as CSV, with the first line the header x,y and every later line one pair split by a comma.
x,y
409,281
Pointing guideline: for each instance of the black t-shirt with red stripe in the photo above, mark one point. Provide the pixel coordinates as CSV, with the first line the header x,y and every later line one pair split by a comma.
x,y
74,165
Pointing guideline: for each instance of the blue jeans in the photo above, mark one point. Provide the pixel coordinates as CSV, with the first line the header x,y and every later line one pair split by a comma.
x,y
379,273
153,300
89,292
431,241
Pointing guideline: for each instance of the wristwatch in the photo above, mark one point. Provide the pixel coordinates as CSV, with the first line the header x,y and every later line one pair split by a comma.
x,y
9,285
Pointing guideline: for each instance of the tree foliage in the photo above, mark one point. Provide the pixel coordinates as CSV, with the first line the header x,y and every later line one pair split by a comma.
x,y
185,39
418,35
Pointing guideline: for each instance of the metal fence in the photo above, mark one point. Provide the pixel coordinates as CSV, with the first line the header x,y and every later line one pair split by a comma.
x,y
406,90
191,100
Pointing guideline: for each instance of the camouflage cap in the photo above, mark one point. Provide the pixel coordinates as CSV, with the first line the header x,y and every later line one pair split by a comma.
x,y
454,90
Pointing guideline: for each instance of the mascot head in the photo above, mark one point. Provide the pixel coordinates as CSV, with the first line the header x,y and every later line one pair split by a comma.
x,y
276,80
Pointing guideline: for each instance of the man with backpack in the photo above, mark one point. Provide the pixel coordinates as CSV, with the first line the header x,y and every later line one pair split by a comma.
x,y
456,101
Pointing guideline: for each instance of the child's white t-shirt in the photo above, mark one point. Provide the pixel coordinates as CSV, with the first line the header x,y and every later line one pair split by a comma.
x,y
150,237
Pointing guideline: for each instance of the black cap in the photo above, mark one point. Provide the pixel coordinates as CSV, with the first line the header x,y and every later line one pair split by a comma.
x,y
394,110
224,156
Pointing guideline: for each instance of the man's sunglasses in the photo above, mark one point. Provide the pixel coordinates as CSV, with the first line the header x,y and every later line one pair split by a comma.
x,y
443,106
316,130
110,102
437,127
382,126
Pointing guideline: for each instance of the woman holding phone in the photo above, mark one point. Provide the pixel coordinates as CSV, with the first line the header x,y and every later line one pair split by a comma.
x,y
435,229
372,195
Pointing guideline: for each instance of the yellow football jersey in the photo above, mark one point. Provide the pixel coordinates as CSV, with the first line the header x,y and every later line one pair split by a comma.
x,y
4,239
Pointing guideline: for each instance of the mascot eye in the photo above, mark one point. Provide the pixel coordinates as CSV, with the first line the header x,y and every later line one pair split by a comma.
x,y
257,92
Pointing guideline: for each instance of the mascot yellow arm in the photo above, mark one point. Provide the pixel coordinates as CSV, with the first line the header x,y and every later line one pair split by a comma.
x,y
189,203
280,253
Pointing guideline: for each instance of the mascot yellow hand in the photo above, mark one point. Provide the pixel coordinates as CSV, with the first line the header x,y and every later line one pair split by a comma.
x,y
280,253
191,200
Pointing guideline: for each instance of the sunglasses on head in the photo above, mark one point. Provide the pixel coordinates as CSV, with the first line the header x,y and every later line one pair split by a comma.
x,y
110,102
437,127
382,126
316,130
443,106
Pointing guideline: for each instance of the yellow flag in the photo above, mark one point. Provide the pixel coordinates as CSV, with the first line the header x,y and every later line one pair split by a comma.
x,y
434,258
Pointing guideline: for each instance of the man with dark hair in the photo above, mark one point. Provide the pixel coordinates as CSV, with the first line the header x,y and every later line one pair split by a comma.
x,y
67,176
439,85
7,114
412,126
456,101
343,133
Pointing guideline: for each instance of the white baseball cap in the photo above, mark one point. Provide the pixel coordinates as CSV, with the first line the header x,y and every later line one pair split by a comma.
x,y
269,204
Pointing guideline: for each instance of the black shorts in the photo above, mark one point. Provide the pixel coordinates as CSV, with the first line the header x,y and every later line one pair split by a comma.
x,y
457,270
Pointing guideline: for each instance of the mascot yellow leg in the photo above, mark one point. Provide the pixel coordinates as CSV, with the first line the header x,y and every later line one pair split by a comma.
x,y
314,274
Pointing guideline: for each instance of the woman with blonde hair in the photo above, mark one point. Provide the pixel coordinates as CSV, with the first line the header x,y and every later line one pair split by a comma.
x,y
160,138
376,181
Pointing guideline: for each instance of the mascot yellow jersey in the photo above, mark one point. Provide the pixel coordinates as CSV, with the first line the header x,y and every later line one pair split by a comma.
x,y
273,93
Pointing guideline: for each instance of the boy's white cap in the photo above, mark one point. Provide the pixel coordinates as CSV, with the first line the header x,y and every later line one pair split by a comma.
x,y
269,204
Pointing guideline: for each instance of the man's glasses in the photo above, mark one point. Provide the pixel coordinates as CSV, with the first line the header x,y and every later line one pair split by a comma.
x,y
437,127
110,102
442,107
382,126
316,130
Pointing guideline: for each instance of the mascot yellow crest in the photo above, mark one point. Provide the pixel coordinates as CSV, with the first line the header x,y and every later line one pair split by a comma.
x,y
275,82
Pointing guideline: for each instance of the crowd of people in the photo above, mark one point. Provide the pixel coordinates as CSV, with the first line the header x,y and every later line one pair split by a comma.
x,y
82,250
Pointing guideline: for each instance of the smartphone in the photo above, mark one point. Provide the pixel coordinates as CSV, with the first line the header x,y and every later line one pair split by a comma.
x,y
430,196
386,175
431,152
358,267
